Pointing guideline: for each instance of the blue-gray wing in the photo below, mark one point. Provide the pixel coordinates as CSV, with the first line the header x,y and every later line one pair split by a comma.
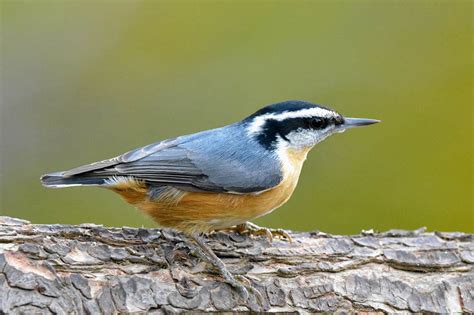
x,y
218,160
127,157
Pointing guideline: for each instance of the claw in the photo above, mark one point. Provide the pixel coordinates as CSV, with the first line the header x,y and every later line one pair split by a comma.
x,y
255,230
242,289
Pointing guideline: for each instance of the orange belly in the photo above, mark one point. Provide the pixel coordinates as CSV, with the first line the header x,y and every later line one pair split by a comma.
x,y
202,212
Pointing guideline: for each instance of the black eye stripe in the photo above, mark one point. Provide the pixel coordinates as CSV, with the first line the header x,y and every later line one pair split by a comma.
x,y
317,123
273,128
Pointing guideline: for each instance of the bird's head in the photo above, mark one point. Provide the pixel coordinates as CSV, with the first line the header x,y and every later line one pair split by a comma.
x,y
297,124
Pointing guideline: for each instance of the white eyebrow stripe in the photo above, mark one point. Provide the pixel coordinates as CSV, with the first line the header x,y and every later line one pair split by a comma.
x,y
257,123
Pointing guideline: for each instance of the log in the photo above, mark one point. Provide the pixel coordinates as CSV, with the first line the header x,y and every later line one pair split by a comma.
x,y
90,268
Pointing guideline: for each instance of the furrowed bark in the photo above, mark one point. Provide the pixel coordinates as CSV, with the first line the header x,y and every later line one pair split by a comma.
x,y
94,269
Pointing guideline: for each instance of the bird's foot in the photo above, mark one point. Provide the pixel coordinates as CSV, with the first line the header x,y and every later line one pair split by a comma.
x,y
252,229
240,283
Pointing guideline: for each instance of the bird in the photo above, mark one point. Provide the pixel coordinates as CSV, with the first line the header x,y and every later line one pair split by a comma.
x,y
219,178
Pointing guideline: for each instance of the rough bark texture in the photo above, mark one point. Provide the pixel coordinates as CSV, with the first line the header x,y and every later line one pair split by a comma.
x,y
94,269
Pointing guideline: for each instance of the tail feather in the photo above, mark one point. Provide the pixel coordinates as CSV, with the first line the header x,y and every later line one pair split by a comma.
x,y
58,180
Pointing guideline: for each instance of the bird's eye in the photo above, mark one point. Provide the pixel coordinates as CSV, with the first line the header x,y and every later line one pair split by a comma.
x,y
317,123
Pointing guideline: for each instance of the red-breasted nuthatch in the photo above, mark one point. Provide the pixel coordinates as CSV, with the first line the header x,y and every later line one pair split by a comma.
x,y
217,178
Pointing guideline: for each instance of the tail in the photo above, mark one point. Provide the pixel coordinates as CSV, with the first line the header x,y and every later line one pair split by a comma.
x,y
58,180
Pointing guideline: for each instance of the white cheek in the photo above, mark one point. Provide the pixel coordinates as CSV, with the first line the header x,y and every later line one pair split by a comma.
x,y
307,138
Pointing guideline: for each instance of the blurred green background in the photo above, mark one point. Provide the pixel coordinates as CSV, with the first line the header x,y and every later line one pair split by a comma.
x,y
86,80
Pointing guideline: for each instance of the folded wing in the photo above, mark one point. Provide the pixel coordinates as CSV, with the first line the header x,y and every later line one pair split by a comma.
x,y
206,162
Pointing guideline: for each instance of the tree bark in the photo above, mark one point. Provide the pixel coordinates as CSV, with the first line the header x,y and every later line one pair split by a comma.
x,y
93,269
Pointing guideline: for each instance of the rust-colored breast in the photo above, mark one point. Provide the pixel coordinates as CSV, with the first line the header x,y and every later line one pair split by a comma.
x,y
202,212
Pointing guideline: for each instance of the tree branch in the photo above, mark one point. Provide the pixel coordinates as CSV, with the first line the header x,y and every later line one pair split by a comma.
x,y
93,269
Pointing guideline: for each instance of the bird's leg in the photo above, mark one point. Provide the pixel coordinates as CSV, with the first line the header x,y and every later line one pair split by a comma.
x,y
255,230
209,255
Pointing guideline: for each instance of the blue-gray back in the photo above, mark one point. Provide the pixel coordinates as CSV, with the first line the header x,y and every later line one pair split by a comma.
x,y
218,160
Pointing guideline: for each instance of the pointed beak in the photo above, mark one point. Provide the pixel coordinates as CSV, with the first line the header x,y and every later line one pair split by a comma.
x,y
358,122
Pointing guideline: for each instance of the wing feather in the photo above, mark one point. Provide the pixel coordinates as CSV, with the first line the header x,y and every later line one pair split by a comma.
x,y
127,157
212,161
